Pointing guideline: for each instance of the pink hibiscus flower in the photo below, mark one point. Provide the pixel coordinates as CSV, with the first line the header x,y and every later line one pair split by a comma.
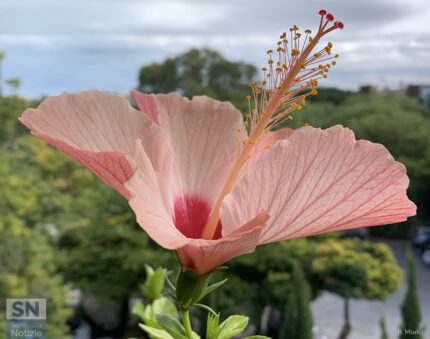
x,y
201,185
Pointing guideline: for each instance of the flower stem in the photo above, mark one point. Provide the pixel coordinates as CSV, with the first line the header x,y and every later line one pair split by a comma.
x,y
185,314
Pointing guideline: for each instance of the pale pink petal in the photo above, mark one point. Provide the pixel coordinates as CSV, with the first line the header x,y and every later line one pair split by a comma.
x,y
95,129
319,181
147,104
152,201
204,256
266,141
202,134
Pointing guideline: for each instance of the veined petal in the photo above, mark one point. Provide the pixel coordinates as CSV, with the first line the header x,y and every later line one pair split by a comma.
x,y
95,129
318,181
152,201
204,256
202,133
267,141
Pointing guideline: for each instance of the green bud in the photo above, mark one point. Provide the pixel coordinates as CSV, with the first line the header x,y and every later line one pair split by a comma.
x,y
154,283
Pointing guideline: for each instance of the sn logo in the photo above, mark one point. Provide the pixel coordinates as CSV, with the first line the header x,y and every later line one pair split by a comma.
x,y
26,309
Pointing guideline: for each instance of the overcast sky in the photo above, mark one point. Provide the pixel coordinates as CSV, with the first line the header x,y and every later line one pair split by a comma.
x,y
74,45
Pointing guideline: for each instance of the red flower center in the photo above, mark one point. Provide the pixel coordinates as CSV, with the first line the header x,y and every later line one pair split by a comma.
x,y
191,214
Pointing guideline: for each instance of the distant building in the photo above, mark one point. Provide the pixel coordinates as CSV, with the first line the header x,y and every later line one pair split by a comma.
x,y
369,89
425,96
413,90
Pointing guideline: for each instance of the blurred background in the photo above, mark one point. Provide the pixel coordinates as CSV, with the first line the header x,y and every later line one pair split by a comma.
x,y
68,237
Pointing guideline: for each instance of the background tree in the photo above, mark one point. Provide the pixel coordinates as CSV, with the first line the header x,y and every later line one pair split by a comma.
x,y
2,55
14,83
353,268
200,72
410,308
297,321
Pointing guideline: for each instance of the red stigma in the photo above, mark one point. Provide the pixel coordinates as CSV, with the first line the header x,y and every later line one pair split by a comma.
x,y
322,12
330,17
339,24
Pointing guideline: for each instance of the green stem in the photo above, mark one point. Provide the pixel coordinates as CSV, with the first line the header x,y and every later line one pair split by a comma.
x,y
185,314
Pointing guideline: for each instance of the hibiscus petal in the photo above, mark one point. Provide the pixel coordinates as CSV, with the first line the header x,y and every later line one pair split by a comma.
x,y
147,104
95,129
319,181
199,131
204,256
152,200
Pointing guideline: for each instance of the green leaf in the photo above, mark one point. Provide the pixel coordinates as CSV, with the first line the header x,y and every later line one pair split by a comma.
x,y
139,309
212,326
232,326
154,283
213,287
171,325
257,337
155,332
164,306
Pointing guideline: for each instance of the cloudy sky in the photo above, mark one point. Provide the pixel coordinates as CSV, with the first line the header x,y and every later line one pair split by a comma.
x,y
73,45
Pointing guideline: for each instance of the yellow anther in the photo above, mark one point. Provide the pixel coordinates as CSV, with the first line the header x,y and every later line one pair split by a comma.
x,y
314,92
245,124
317,55
270,61
249,157
303,66
271,136
336,56
308,31
238,130
299,107
279,43
333,63
268,146
251,84
293,105
248,116
284,66
251,142
237,139
264,69
258,119
269,51
290,117
306,124
258,91
270,91
248,97
298,80
264,83
324,76
280,115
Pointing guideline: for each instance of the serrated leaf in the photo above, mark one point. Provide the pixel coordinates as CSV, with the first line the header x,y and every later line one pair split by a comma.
x,y
232,326
155,332
171,325
212,326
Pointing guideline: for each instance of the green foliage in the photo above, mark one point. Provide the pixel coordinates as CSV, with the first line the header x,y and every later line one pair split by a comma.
x,y
200,72
28,270
297,313
10,109
353,268
410,308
